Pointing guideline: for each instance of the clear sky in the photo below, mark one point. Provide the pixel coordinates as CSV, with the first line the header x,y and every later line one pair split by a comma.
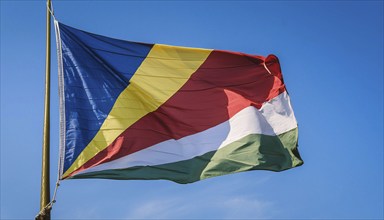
x,y
331,54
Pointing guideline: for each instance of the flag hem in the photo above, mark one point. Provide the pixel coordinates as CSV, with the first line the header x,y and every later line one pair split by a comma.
x,y
61,99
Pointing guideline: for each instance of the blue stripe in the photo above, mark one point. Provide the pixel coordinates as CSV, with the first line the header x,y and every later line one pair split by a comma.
x,y
96,70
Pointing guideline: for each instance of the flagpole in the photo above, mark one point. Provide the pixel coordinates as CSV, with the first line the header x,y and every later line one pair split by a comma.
x,y
45,190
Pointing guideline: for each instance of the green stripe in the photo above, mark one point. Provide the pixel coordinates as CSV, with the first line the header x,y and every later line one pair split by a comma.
x,y
253,152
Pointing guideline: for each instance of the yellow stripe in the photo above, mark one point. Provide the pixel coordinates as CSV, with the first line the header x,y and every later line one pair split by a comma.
x,y
165,70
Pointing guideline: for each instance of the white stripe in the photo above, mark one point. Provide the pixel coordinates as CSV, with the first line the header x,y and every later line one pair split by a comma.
x,y
275,117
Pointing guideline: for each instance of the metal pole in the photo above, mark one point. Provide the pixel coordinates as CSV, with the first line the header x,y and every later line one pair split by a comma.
x,y
45,191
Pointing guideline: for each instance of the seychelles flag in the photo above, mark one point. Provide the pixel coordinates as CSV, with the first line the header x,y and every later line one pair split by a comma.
x,y
134,110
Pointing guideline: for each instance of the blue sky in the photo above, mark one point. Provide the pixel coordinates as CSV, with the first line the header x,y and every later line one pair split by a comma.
x,y
331,54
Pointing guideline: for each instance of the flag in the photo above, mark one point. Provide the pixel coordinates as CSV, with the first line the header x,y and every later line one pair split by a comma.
x,y
133,110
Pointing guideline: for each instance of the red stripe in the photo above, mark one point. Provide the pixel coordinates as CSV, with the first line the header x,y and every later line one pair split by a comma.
x,y
226,83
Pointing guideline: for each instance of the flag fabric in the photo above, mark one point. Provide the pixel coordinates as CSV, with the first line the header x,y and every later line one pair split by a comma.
x,y
134,110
